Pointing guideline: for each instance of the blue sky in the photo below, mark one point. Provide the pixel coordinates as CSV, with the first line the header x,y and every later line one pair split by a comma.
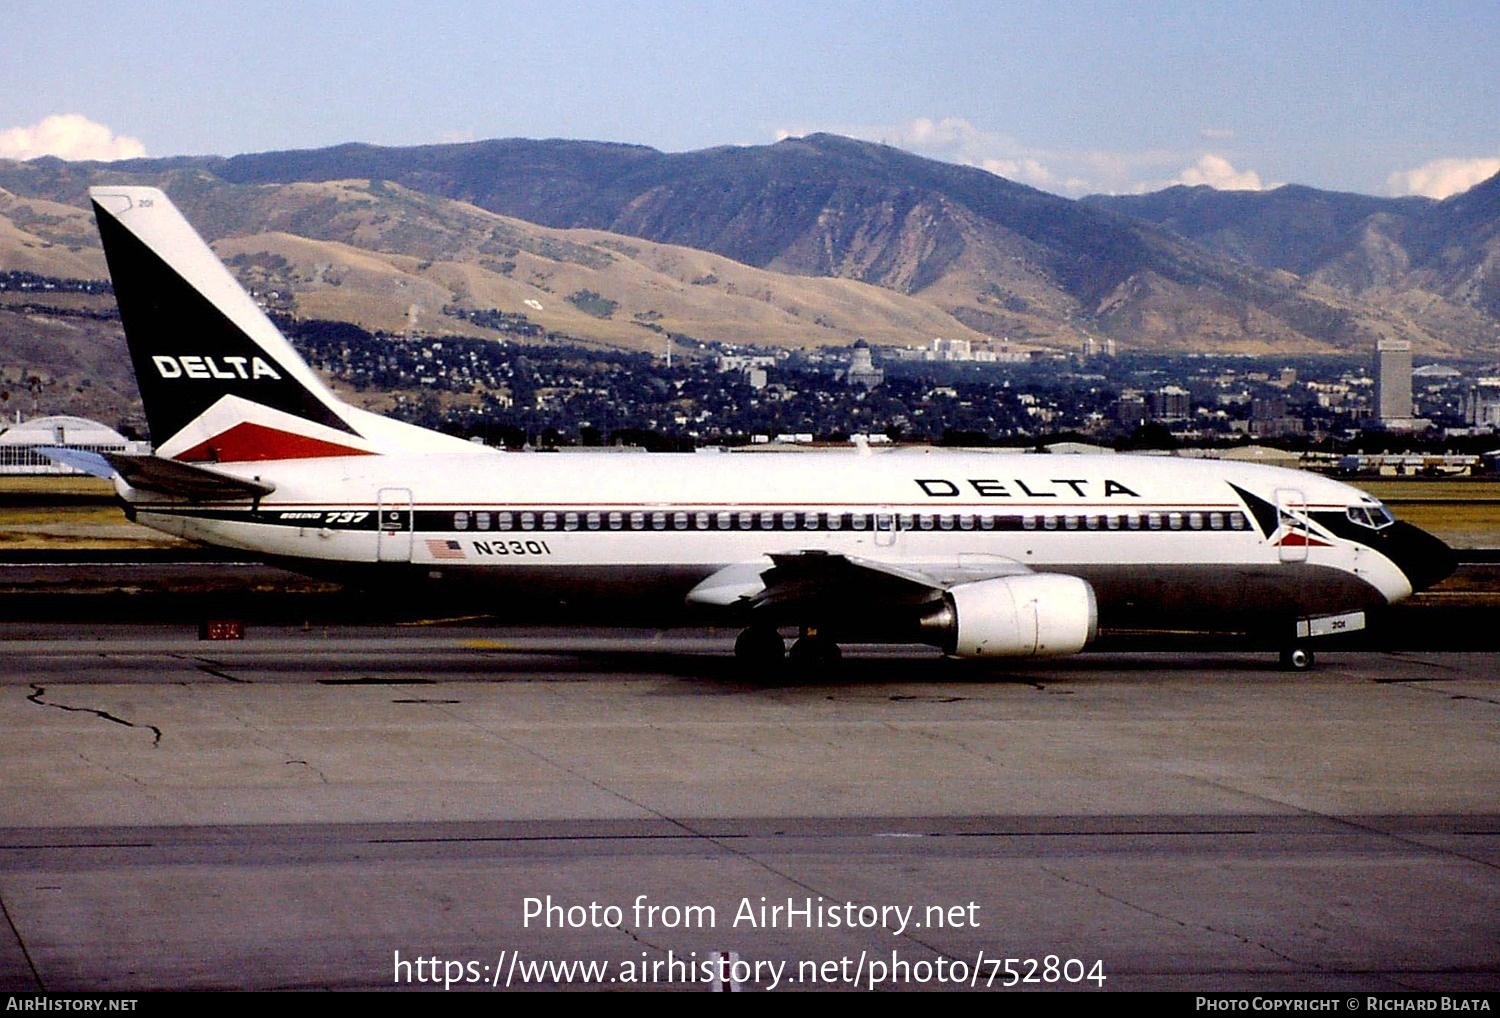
x,y
1072,97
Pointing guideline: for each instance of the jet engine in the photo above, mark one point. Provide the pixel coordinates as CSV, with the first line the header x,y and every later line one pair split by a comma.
x,y
1030,615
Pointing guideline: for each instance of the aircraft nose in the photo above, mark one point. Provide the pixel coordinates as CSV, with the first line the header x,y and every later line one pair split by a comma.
x,y
1424,559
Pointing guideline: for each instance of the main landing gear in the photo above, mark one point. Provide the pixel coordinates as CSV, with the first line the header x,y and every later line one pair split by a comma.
x,y
761,646
814,649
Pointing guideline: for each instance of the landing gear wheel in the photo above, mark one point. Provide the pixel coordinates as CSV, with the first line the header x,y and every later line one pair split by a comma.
x,y
815,650
759,645
1296,659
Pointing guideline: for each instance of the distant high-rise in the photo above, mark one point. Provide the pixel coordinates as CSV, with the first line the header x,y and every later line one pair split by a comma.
x,y
1393,382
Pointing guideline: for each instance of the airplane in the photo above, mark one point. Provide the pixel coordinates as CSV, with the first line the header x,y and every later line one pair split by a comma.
x,y
981,555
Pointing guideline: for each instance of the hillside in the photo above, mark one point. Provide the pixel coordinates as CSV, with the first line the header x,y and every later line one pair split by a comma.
x,y
387,258
1435,262
1006,261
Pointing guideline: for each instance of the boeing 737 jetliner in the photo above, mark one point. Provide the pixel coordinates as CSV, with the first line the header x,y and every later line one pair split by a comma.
x,y
982,555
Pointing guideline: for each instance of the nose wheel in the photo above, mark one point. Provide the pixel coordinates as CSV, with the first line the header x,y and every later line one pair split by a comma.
x,y
1296,658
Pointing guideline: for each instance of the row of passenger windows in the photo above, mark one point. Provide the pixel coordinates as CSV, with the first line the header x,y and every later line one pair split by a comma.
x,y
786,520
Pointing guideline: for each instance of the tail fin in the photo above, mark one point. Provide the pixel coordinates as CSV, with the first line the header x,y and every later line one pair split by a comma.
x,y
220,383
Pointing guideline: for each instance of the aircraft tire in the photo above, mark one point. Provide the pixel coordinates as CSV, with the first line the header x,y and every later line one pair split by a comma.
x,y
1296,659
815,651
759,645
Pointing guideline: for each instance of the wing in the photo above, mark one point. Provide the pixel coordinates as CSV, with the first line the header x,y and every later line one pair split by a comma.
x,y
817,584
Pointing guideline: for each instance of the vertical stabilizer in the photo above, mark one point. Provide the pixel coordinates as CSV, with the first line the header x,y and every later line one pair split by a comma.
x,y
218,380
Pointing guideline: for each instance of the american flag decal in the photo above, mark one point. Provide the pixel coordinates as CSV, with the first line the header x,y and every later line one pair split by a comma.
x,y
445,549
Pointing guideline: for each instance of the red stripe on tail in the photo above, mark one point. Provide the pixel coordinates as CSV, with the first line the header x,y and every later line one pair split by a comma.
x,y
247,442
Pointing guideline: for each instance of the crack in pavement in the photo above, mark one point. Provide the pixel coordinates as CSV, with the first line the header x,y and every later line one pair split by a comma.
x,y
40,691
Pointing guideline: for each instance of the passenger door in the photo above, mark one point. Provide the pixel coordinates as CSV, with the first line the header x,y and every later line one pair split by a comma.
x,y
395,525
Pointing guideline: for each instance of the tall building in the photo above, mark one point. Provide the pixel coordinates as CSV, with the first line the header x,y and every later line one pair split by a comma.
x,y
1393,382
1482,402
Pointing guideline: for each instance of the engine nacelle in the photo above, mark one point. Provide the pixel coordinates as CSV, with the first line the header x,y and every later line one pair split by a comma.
x,y
1030,615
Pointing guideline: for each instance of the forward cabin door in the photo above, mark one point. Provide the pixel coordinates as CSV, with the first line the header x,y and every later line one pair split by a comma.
x,y
395,533
1291,510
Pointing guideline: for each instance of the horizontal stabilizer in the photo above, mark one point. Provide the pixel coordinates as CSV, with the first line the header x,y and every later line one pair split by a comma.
x,y
90,463
197,484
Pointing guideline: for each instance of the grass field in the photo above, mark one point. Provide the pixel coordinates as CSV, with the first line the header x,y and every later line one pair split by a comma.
x,y
69,513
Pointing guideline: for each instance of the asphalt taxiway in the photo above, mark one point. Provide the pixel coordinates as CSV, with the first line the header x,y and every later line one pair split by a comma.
x,y
312,807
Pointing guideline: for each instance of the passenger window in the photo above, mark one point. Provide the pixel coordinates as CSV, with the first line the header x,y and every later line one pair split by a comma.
x,y
504,521
592,521
461,521
482,520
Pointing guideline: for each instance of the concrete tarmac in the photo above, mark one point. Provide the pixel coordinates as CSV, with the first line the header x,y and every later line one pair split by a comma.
x,y
421,806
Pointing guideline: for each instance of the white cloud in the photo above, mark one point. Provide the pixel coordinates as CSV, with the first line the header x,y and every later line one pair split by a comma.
x,y
68,136
1220,174
1442,177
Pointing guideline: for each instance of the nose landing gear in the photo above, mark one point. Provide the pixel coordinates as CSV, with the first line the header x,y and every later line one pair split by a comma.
x,y
1296,658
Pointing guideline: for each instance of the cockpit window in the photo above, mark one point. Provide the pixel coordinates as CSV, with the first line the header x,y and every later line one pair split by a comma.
x,y
1374,516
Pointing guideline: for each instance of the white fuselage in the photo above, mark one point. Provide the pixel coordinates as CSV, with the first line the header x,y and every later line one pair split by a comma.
x,y
1149,533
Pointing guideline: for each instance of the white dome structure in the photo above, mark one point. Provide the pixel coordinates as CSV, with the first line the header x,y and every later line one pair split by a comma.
x,y
19,443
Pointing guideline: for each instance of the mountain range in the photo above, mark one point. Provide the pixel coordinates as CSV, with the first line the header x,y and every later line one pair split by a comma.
x,y
807,242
